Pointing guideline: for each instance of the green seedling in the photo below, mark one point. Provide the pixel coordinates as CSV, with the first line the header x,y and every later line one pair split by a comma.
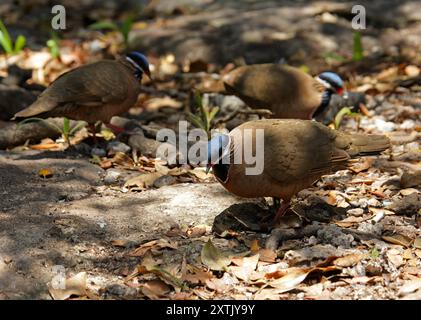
x,y
9,46
340,116
53,45
124,28
205,115
65,131
357,50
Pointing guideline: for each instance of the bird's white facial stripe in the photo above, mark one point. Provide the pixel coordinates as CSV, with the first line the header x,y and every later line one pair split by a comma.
x,y
133,63
216,155
324,83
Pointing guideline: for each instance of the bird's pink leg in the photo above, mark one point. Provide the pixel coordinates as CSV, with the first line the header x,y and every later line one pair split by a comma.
x,y
281,211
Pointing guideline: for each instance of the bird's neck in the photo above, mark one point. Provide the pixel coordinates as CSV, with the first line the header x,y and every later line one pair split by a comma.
x,y
324,103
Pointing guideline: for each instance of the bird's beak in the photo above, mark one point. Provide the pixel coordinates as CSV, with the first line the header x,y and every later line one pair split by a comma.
x,y
208,167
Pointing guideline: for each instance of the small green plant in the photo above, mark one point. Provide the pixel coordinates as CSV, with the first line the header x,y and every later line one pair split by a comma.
x,y
340,116
65,131
53,45
124,28
205,115
374,253
9,46
334,56
357,49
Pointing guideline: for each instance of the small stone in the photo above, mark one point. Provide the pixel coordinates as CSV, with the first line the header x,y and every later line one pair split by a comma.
x,y
368,227
98,152
116,146
373,202
116,290
408,205
356,212
164,181
83,148
332,234
111,177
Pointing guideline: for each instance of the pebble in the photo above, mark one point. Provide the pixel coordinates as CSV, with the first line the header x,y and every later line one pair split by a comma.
x,y
116,146
164,181
111,177
332,234
98,152
356,212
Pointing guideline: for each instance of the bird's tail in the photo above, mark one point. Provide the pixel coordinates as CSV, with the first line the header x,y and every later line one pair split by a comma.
x,y
365,145
37,109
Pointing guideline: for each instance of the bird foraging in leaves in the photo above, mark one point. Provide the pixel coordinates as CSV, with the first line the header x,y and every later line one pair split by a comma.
x,y
92,92
293,154
287,92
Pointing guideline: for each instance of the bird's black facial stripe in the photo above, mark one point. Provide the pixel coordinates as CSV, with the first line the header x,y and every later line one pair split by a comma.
x,y
326,96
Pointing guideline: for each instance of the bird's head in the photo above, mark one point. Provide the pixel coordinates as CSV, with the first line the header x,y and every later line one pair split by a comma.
x,y
218,147
140,62
332,82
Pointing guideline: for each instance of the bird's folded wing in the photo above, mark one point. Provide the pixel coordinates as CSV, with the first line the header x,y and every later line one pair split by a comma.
x,y
91,85
302,151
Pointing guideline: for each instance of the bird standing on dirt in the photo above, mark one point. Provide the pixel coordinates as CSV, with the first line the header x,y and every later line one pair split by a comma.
x,y
295,154
92,92
287,92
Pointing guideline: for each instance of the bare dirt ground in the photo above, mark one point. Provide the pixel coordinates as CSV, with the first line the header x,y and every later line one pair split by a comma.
x,y
354,235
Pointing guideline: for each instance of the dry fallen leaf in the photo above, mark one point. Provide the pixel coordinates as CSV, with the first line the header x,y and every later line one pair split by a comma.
x,y
213,258
293,277
417,243
409,287
75,285
143,181
154,104
197,231
362,166
395,257
267,255
153,245
120,243
248,265
254,246
155,289
398,239
45,173
349,260
197,276
200,173
412,71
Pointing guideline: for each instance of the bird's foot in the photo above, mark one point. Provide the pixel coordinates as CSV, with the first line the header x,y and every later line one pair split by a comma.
x,y
283,208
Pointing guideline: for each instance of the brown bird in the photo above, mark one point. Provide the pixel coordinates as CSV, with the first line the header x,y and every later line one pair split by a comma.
x,y
293,154
92,92
287,92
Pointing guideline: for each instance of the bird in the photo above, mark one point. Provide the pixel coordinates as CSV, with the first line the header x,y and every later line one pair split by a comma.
x,y
92,92
288,92
294,154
